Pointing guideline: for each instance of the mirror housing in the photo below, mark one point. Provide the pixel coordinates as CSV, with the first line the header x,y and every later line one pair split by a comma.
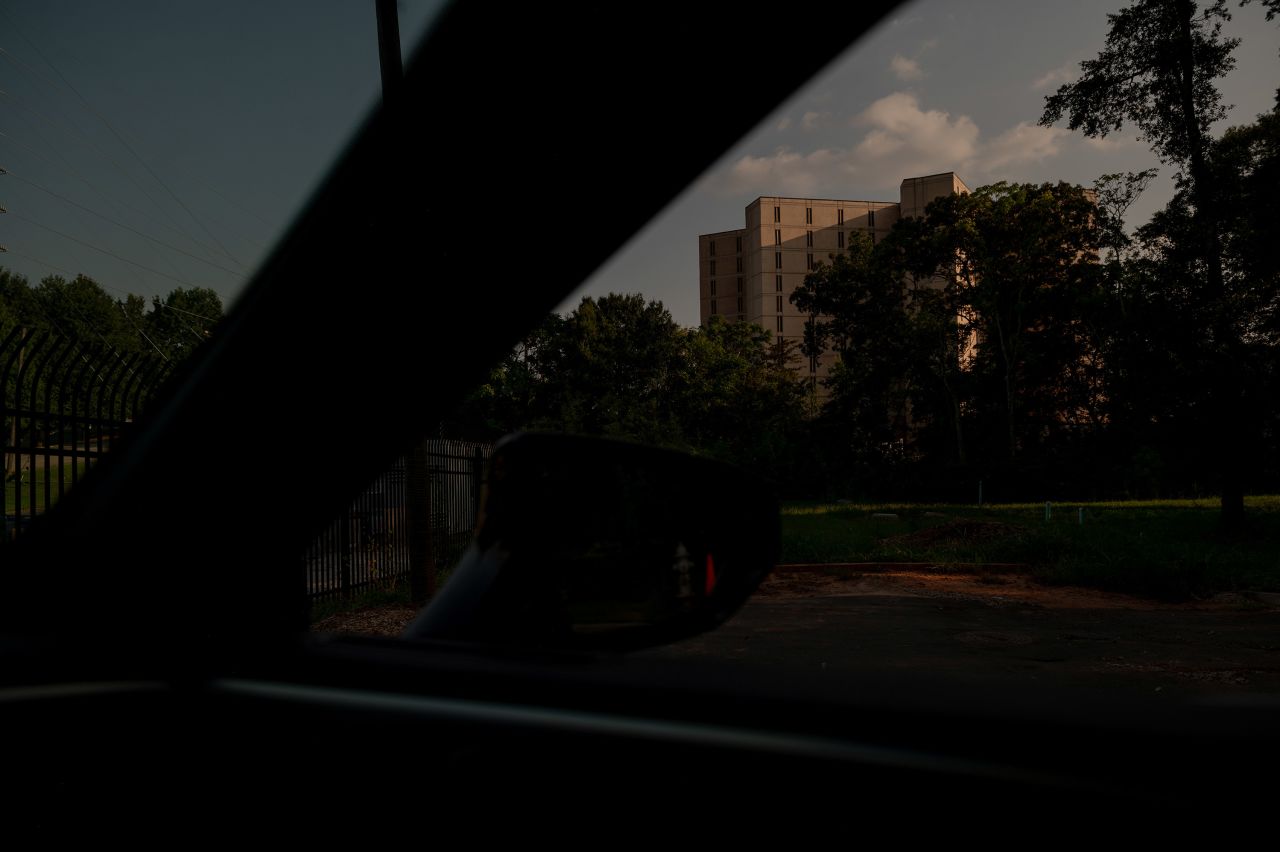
x,y
597,544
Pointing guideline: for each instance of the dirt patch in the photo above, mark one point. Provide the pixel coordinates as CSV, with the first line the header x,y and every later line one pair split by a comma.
x,y
389,620
998,590
1004,588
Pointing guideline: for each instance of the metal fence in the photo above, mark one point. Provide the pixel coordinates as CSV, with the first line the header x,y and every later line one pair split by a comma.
x,y
63,405
367,547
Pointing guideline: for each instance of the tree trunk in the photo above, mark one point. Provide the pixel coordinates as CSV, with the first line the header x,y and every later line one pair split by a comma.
x,y
1222,432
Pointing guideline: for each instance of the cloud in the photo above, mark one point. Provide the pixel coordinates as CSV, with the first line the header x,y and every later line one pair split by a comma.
x,y
788,172
912,136
1055,77
784,122
1020,145
814,120
906,69
899,138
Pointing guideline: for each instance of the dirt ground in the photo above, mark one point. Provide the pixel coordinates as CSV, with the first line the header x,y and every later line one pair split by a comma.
x,y
976,627
794,582
1005,628
996,588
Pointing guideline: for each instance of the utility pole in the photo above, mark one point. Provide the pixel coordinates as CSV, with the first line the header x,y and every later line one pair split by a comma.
x,y
10,459
389,51
422,567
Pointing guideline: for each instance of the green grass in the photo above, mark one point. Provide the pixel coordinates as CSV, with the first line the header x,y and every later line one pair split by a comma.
x,y
1160,548
42,500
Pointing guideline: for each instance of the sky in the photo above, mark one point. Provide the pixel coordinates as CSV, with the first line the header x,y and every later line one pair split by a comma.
x,y
154,145
157,144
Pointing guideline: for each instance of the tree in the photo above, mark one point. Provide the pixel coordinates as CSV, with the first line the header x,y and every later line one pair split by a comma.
x,y
1114,195
1164,316
968,335
620,366
737,397
855,307
1158,72
80,309
181,321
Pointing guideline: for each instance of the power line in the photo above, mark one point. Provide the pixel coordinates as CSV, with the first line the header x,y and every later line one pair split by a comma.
x,y
117,223
125,314
229,200
66,271
115,290
21,102
119,137
85,319
187,326
107,252
189,313
119,204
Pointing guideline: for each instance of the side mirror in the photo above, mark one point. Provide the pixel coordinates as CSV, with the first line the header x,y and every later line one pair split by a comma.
x,y
589,543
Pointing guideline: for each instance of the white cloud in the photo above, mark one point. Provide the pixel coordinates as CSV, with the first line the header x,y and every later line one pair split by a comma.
x,y
900,138
788,172
814,120
906,69
1055,77
915,137
1020,145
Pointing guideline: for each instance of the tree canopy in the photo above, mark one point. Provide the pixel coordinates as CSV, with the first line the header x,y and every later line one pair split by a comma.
x,y
81,310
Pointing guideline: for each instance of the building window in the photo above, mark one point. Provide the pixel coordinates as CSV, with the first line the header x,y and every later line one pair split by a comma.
x,y
811,260
777,260
871,218
808,215
808,238
713,286
777,237
739,264
873,238
739,286
840,239
713,267
713,306
779,342
777,214
779,324
711,248
779,301
739,244
739,304
840,216
777,283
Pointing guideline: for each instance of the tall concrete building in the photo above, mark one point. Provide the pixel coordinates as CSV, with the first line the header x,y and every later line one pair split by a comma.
x,y
749,274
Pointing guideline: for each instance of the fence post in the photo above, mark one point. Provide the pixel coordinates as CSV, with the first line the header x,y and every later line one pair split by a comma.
x,y
422,569
344,553
477,483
